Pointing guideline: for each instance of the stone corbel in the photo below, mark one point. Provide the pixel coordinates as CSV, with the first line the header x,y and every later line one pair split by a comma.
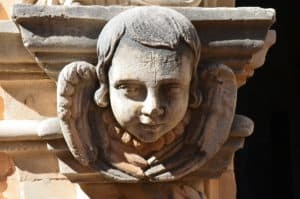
x,y
234,42
237,38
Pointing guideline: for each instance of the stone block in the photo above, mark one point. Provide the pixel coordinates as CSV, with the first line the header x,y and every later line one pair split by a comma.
x,y
48,189
28,99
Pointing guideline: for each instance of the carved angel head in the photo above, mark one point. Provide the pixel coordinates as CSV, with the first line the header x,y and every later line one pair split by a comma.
x,y
146,81
147,63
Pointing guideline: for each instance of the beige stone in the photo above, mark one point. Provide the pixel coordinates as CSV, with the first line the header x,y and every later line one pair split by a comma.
x,y
3,13
104,155
6,5
206,3
48,189
8,181
6,8
141,84
7,166
10,188
1,108
27,99
14,130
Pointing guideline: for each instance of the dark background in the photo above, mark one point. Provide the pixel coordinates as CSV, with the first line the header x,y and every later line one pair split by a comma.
x,y
269,164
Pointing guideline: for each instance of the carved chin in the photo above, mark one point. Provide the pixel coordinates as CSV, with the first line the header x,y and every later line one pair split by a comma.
x,y
149,133
149,137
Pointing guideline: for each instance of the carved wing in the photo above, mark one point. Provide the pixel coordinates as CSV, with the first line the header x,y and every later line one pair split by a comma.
x,y
209,128
75,88
214,117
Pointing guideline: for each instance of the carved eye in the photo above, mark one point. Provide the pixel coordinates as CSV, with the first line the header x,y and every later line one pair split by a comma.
x,y
172,89
133,91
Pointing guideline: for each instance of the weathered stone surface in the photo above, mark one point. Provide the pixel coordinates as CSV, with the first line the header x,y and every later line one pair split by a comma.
x,y
121,2
3,13
14,130
10,39
218,3
36,139
8,182
6,8
205,3
78,173
143,108
7,166
245,29
48,189
15,61
26,99
6,5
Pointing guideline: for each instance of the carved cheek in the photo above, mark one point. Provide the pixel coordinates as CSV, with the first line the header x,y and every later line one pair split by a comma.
x,y
178,98
126,111
178,106
133,110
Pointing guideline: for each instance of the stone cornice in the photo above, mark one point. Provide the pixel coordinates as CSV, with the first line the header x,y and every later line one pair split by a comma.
x,y
15,60
57,35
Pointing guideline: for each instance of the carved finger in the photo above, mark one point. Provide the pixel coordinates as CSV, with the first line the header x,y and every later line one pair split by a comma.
x,y
120,163
168,151
168,166
180,170
126,154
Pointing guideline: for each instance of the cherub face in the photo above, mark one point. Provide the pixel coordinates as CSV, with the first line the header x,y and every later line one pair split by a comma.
x,y
149,88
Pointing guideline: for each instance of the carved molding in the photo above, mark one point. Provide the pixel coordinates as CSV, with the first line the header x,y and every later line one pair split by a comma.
x,y
114,2
23,130
241,127
234,43
15,61
223,32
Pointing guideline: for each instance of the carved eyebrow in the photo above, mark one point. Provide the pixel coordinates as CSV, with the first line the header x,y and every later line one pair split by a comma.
x,y
127,81
171,81
163,82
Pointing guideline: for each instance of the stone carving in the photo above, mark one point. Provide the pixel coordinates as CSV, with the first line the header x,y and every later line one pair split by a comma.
x,y
156,115
44,39
115,2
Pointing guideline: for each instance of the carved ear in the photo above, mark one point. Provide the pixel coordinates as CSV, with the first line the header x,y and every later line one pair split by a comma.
x,y
101,96
195,96
76,85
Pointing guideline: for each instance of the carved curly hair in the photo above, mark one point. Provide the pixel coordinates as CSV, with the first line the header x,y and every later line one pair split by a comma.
x,y
150,26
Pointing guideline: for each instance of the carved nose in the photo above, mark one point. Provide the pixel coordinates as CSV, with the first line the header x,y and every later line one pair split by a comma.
x,y
152,106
